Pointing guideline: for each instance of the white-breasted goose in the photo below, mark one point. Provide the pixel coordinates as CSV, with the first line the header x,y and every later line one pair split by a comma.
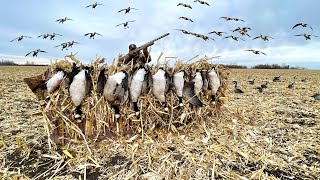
x,y
161,83
198,82
214,83
189,95
236,89
140,82
178,83
77,92
116,90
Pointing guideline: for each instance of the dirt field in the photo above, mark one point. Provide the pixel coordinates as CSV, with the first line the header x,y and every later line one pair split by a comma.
x,y
269,135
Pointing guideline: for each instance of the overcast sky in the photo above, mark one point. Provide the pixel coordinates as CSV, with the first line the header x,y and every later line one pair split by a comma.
x,y
157,17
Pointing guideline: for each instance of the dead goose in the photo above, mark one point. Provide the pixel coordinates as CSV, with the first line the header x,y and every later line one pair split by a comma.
x,y
214,83
54,82
291,85
101,81
161,85
236,89
189,95
116,90
79,88
178,83
204,75
141,80
198,82
316,96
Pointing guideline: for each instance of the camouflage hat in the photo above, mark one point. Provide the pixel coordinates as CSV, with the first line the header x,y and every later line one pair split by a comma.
x,y
132,46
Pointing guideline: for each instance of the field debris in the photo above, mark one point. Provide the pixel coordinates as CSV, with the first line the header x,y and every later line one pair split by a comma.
x,y
268,135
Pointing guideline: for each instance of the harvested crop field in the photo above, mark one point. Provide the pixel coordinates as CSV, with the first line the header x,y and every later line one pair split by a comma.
x,y
269,135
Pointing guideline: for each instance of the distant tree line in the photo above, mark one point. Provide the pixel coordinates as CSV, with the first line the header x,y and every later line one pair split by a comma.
x,y
4,62
274,66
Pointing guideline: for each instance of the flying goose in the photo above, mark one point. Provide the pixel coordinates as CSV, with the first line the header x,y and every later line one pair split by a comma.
x,y
92,34
307,36
35,53
127,10
94,5
233,19
44,36
140,82
125,24
70,44
185,18
116,90
52,36
236,89
265,38
213,82
233,37
244,33
183,31
245,29
219,33
184,5
161,83
202,2
62,20
256,52
20,38
302,24
206,37
63,45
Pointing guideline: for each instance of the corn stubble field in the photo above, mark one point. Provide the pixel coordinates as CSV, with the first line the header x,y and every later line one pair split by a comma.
x,y
272,135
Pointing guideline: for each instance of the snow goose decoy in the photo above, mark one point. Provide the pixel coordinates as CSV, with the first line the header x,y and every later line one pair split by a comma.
x,y
116,90
161,83
214,83
140,82
178,83
236,89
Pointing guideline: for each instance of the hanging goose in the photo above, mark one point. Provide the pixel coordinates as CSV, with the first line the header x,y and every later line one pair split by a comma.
x,y
116,90
204,75
54,82
198,82
161,83
214,83
78,90
189,95
139,84
178,82
101,81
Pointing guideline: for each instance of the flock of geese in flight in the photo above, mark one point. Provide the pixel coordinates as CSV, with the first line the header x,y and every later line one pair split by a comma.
x,y
243,31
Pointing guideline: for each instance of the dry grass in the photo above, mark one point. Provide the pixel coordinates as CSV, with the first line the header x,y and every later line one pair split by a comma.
x,y
274,135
